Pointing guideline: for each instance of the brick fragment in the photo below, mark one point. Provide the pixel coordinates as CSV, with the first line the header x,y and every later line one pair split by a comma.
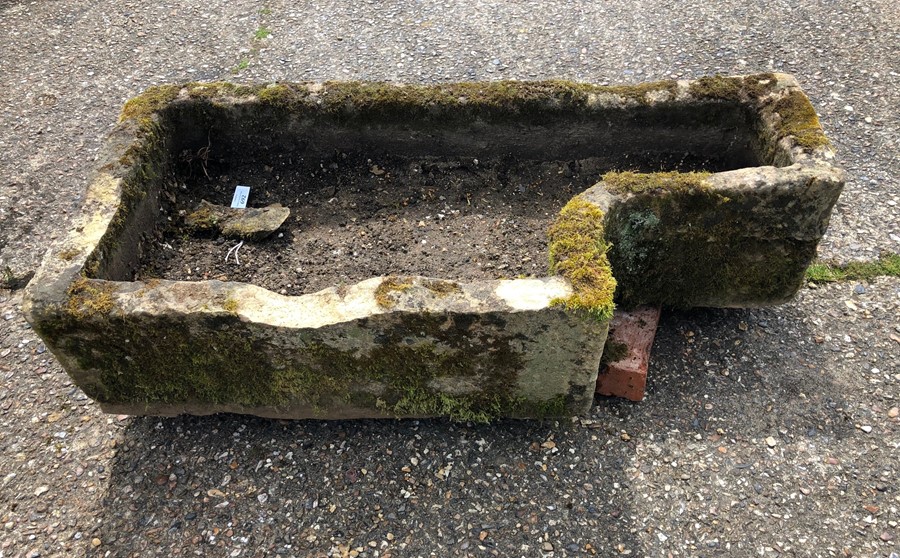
x,y
623,369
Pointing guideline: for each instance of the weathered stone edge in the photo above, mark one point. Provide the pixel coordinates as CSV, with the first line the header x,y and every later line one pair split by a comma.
x,y
791,127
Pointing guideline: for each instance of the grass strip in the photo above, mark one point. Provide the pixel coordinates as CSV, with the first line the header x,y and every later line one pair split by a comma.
x,y
824,272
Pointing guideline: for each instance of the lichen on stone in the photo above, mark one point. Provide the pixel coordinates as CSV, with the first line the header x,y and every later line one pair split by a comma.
x,y
230,305
68,254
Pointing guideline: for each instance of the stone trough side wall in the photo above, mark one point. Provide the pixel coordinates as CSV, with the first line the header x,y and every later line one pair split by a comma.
x,y
470,352
733,239
622,127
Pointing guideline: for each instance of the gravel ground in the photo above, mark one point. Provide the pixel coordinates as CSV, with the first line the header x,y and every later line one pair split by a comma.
x,y
764,432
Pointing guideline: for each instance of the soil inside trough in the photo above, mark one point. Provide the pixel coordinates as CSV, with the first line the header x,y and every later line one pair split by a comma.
x,y
354,218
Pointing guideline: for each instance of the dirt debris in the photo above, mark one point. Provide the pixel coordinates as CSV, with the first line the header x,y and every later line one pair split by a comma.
x,y
353,218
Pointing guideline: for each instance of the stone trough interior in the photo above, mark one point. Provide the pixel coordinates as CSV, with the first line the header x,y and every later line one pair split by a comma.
x,y
386,193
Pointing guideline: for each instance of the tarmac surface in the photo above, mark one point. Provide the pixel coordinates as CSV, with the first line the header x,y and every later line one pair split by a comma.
x,y
765,432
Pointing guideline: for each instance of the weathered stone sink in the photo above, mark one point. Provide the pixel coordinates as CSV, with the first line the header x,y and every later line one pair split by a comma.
x,y
417,346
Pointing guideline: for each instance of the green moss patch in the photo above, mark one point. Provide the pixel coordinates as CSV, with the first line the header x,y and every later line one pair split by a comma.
x,y
725,88
378,101
442,288
390,285
150,101
691,245
642,92
578,253
628,182
283,96
613,351
219,360
219,90
799,119
87,298
203,219
461,409
824,272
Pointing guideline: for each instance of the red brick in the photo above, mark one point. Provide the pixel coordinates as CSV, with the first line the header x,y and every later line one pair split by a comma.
x,y
627,376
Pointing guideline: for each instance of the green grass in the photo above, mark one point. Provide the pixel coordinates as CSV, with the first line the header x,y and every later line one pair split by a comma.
x,y
262,33
242,65
886,265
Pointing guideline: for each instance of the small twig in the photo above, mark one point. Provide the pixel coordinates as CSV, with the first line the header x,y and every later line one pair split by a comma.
x,y
234,249
203,154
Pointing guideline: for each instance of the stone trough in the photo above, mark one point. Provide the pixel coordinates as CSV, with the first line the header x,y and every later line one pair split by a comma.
x,y
743,192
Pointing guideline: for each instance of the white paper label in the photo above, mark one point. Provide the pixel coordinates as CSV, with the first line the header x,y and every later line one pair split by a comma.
x,y
241,193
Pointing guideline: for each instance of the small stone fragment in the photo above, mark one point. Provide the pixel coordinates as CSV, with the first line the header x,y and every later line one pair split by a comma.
x,y
95,542
252,223
771,442
894,412
866,428
41,490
